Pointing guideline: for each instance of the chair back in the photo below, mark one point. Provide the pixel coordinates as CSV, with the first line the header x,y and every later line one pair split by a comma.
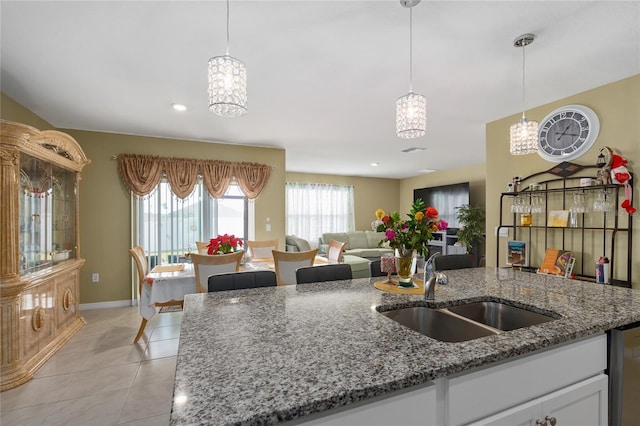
x,y
262,250
319,273
202,246
240,280
452,261
334,251
375,269
137,253
286,263
205,266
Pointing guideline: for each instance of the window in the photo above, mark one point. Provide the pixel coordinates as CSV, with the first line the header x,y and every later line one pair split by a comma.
x,y
313,209
168,227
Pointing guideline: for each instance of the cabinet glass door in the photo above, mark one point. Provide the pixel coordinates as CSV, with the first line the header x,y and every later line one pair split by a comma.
x,y
47,214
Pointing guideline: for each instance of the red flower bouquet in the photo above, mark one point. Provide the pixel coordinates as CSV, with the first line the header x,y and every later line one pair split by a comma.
x,y
224,244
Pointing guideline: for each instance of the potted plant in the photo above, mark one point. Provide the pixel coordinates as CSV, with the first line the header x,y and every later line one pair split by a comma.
x,y
471,232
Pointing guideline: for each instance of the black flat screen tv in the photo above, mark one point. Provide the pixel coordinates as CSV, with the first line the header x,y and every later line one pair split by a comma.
x,y
445,198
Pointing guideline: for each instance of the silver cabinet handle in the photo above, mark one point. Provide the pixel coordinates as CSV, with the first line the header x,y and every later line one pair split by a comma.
x,y
551,420
540,422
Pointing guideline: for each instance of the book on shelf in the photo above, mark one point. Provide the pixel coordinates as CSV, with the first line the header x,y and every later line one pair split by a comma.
x,y
557,262
558,218
517,253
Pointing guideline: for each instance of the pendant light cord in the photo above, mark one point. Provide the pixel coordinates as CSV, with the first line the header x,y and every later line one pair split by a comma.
x,y
524,46
227,27
411,49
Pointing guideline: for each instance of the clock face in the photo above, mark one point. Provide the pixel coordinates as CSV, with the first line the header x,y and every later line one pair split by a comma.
x,y
567,133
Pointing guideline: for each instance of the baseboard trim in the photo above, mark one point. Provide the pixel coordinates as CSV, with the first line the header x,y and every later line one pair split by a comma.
x,y
111,304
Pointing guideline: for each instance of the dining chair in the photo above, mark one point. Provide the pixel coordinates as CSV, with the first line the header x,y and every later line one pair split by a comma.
x,y
242,279
286,263
202,246
375,268
319,273
140,259
452,261
335,250
262,250
205,265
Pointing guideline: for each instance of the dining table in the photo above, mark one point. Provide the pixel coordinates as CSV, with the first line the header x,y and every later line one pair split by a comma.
x,y
169,282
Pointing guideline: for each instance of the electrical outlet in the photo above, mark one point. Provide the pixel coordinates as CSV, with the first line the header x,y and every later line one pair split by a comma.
x,y
95,277
503,232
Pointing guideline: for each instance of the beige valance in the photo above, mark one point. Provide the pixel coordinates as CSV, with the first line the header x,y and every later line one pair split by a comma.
x,y
252,178
141,174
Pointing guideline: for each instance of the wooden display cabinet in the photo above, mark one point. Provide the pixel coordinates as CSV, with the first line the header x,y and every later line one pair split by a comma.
x,y
39,253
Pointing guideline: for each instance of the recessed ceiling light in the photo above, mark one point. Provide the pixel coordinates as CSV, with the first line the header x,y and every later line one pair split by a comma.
x,y
426,171
179,107
375,164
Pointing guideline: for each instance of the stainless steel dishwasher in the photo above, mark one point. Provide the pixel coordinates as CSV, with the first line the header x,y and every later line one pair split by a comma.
x,y
624,375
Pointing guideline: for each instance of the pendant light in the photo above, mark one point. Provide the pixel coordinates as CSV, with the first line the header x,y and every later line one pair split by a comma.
x,y
411,109
227,83
524,134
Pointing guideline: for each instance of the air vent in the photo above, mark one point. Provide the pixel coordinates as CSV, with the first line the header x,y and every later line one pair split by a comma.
x,y
414,148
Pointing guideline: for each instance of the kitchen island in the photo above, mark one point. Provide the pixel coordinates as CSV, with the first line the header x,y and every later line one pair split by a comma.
x,y
296,353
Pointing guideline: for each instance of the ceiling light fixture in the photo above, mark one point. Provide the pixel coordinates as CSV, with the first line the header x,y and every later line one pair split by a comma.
x,y
227,83
179,107
411,109
524,134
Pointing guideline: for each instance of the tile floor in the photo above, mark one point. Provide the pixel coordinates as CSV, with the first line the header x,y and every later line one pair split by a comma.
x,y
100,377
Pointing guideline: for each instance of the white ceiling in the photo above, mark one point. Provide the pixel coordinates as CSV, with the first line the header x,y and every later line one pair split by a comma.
x,y
323,76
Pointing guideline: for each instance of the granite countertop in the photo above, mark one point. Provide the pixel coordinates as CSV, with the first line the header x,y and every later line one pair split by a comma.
x,y
263,356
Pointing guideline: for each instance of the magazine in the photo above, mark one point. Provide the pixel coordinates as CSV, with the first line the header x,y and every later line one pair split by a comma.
x,y
557,262
517,253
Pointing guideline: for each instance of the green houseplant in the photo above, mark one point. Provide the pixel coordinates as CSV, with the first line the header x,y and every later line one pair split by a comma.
x,y
471,233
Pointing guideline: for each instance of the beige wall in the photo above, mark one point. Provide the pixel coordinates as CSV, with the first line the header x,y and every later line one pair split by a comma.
x,y
370,194
618,108
11,110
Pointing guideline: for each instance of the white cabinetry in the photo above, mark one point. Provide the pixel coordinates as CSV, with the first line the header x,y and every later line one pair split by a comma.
x,y
560,382
445,244
566,382
583,404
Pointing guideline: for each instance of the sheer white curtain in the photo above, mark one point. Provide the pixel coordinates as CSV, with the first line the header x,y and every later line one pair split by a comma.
x,y
314,208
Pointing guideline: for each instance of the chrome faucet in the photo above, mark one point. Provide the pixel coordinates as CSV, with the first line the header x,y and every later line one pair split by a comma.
x,y
430,283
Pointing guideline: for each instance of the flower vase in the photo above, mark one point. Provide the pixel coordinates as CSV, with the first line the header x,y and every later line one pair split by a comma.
x,y
405,266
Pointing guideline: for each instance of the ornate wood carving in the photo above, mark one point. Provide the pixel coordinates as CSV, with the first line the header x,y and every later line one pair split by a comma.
x,y
31,335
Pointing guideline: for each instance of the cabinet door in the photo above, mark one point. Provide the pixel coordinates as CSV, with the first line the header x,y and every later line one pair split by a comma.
x,y
416,406
522,415
582,404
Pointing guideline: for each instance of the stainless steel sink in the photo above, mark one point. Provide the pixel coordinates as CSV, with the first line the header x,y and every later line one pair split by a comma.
x,y
438,324
466,322
499,315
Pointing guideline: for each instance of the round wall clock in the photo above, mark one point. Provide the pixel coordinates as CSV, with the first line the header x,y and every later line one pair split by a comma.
x,y
567,133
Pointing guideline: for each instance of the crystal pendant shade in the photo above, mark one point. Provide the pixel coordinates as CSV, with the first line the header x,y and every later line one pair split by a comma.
x,y
524,137
411,116
227,86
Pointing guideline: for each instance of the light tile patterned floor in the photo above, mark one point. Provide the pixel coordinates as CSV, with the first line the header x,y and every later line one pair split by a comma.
x,y
100,377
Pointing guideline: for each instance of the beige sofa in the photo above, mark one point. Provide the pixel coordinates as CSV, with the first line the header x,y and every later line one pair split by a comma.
x,y
359,243
359,265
